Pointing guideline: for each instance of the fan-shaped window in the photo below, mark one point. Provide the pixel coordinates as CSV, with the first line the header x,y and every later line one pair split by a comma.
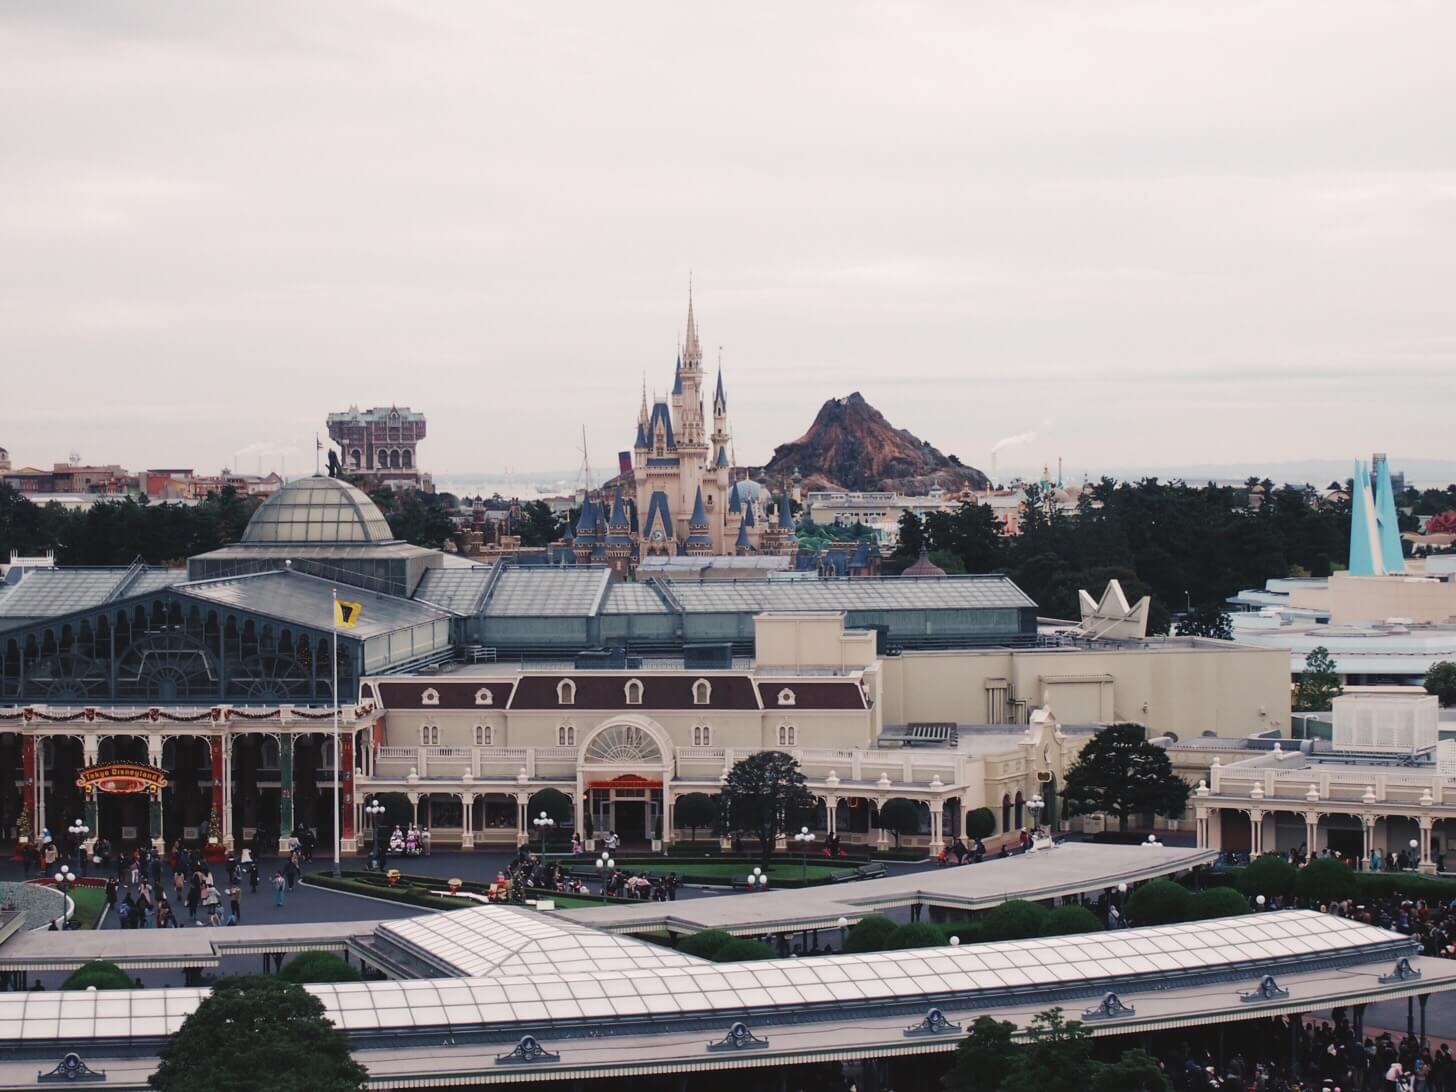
x,y
431,696
786,696
702,692
566,692
634,692
483,696
623,744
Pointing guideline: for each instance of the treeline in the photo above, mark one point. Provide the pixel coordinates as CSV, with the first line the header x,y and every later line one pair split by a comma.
x,y
118,531
1186,546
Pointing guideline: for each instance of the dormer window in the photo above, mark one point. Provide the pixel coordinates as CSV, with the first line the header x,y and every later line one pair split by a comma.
x,y
483,696
566,692
431,696
786,696
634,692
702,692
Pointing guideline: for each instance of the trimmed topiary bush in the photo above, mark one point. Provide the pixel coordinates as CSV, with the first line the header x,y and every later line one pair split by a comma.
x,y
1325,879
1268,875
1014,920
1158,902
1217,902
980,823
871,934
918,934
741,949
705,945
1066,920
318,967
101,973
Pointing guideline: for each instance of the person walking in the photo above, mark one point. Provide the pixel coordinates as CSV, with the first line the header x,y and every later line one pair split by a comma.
x,y
235,900
253,877
279,888
194,898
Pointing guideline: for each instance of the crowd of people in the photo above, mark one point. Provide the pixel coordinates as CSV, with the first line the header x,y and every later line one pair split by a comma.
x,y
527,870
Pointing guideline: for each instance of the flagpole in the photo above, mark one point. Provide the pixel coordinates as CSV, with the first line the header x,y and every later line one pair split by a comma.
x,y
338,816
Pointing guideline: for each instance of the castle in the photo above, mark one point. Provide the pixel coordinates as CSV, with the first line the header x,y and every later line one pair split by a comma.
x,y
678,493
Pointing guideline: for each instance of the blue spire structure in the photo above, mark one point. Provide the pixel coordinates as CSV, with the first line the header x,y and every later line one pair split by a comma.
x,y
619,529
586,523
641,441
677,376
735,502
748,514
720,400
786,516
861,559
659,520
743,545
1364,532
698,540
1391,556
722,461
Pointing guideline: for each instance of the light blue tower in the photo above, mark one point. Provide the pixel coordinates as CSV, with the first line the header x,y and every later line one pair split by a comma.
x,y
1391,554
1365,557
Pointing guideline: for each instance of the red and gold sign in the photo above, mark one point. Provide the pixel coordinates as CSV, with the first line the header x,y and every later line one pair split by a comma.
x,y
627,781
122,777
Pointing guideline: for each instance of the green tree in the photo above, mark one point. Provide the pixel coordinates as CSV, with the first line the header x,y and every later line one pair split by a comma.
x,y
1268,875
696,809
1441,681
1014,919
555,803
764,794
1319,683
741,950
100,973
249,1026
1120,773
704,945
1069,919
982,1058
869,934
539,526
980,823
1057,1057
1207,622
1325,879
917,934
1158,902
1134,1071
1217,902
315,966
899,816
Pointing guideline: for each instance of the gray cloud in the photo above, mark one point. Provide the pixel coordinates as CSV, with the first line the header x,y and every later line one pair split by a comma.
x,y
1228,227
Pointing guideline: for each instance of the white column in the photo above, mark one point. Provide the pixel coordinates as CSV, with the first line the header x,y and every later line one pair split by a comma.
x,y
1256,833
667,816
937,826
467,836
522,834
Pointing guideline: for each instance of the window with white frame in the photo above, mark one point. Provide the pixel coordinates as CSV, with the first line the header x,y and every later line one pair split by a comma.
x,y
431,696
430,735
702,735
786,696
566,735
634,692
702,692
788,735
484,735
566,692
483,696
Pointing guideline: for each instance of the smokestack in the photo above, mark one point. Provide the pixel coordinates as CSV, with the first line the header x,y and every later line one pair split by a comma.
x,y
994,480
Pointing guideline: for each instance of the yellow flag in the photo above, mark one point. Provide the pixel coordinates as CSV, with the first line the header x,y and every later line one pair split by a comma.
x,y
346,612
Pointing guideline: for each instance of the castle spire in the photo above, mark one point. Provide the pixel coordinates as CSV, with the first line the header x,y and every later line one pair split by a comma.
x,y
642,412
692,351
720,400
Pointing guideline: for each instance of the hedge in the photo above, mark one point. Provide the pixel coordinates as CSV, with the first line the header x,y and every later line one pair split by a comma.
x,y
316,966
918,934
1217,902
1158,902
869,934
100,973
741,949
1014,920
704,945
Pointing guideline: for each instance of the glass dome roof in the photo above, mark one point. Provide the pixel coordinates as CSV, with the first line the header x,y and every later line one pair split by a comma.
x,y
317,511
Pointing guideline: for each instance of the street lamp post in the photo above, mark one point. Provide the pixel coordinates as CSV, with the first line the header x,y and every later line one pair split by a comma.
x,y
543,823
374,809
843,924
78,831
805,838
604,869
757,881
1415,853
1036,803
64,878
1260,901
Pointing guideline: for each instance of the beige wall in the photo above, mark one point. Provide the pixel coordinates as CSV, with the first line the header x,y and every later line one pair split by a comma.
x,y
1355,599
1232,691
792,641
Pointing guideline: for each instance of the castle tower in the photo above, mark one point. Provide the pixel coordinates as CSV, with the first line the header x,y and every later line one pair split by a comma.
x,y
619,538
699,542
586,532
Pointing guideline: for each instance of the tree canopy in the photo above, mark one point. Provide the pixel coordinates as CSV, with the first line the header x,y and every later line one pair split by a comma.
x,y
1120,773
316,966
100,973
539,526
899,816
1319,683
1206,622
255,1025
764,795
694,810
1441,681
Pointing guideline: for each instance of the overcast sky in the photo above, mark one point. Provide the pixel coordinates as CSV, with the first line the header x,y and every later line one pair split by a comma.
x,y
1168,233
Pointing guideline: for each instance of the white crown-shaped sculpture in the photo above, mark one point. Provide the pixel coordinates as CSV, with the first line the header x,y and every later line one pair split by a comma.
x,y
1111,616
